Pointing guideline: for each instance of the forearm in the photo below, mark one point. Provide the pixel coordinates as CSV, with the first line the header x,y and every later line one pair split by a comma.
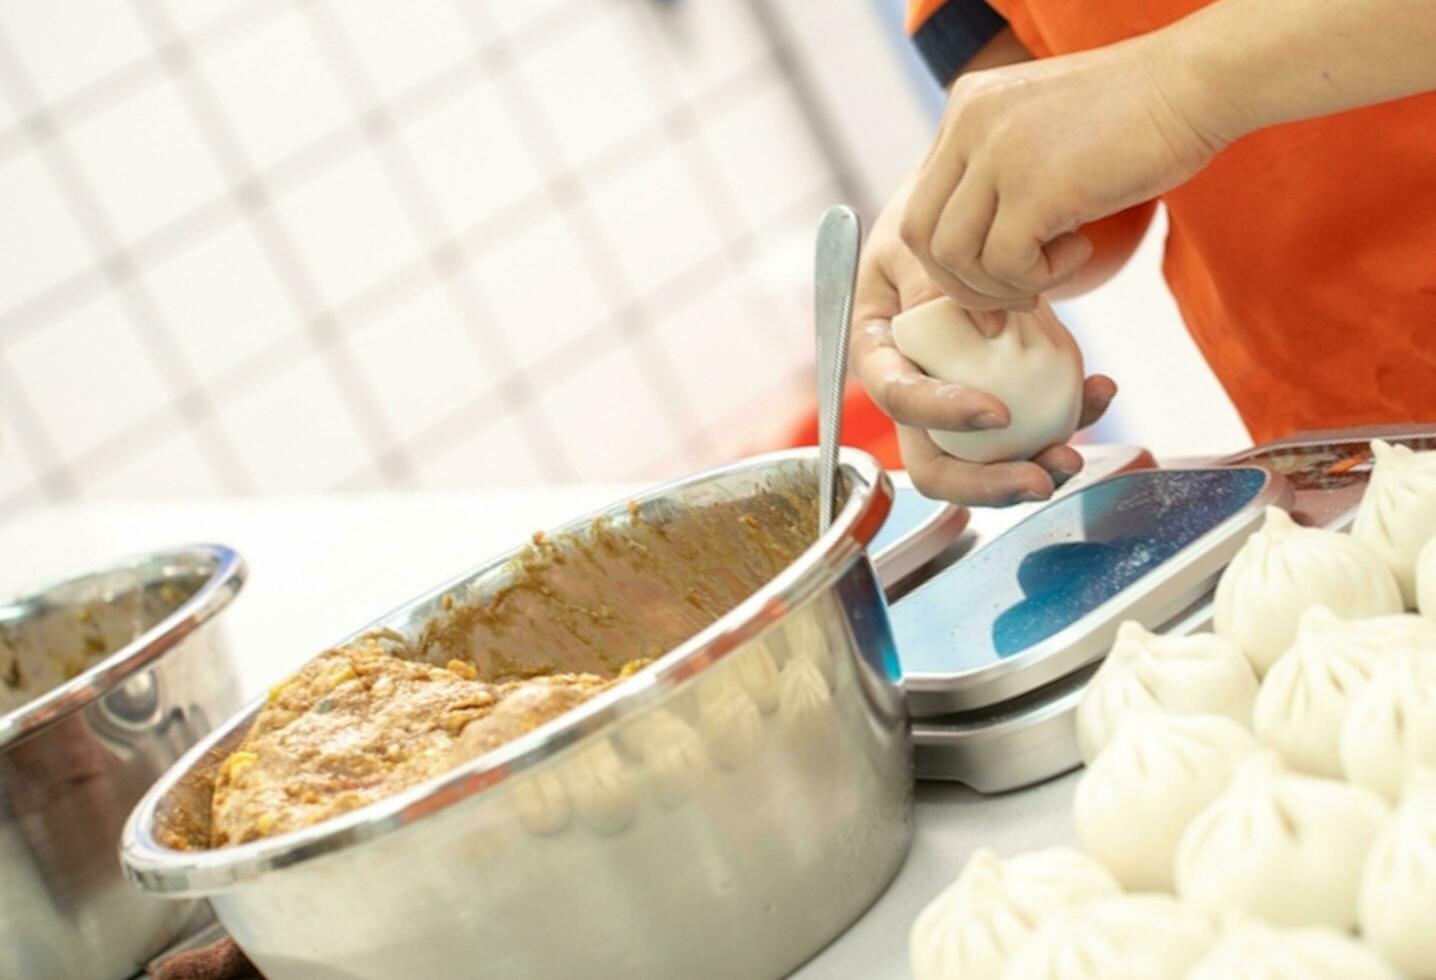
x,y
1241,65
1003,49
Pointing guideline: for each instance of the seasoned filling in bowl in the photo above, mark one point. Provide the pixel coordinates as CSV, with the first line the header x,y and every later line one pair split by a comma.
x,y
47,641
563,622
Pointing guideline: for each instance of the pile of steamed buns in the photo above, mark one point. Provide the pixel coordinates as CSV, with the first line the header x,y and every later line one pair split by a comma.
x,y
1259,802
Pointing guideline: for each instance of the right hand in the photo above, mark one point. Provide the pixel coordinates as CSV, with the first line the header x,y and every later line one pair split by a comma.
x,y
890,280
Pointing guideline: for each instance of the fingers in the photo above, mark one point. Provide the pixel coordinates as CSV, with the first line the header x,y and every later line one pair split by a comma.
x,y
936,474
1061,462
910,397
1097,394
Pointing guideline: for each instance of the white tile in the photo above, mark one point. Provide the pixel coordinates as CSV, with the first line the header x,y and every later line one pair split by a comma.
x,y
88,376
17,473
294,432
656,220
147,161
401,45
276,88
607,418
191,16
350,227
719,353
473,156
222,300
9,114
765,154
174,467
779,276
517,18
40,243
494,453
66,44
705,42
590,95
423,361
540,288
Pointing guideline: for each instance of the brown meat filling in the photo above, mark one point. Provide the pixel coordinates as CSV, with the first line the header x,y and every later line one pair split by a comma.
x,y
356,725
385,713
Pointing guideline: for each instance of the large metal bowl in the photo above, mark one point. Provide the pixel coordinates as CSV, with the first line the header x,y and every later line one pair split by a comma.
x,y
145,681
669,827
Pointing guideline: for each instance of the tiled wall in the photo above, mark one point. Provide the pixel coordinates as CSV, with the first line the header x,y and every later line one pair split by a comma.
x,y
292,245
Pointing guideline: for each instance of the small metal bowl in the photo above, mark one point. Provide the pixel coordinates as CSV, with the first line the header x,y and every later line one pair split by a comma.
x,y
106,680
724,812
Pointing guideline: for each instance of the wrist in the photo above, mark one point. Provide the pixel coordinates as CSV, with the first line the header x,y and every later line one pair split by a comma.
x,y
1199,80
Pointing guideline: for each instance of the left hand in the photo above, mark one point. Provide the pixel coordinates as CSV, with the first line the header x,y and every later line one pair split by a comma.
x,y
1028,153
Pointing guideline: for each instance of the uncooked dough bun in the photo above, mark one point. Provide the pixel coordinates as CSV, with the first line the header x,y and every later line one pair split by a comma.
x,y
1280,846
1304,699
1157,773
973,926
1398,888
1033,366
1390,728
1397,515
1283,570
1426,580
1129,937
1253,951
1200,673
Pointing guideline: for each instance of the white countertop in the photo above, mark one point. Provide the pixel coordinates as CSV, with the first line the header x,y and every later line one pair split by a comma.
x,y
321,566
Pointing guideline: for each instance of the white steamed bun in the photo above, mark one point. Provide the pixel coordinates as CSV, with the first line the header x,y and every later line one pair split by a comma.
x,y
1390,728
1156,774
971,928
1280,846
1305,697
1398,887
1033,365
1200,673
1426,580
1283,570
1397,515
1253,951
1129,937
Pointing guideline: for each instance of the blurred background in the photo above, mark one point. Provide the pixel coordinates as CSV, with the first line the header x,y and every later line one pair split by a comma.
x,y
291,246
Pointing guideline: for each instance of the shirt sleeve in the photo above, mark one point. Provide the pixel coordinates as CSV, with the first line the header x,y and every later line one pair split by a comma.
x,y
947,34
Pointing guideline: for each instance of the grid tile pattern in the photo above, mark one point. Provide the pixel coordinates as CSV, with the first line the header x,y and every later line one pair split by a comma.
x,y
299,245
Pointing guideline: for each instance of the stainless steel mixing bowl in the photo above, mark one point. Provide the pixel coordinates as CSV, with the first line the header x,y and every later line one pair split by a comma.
x,y
146,680
724,812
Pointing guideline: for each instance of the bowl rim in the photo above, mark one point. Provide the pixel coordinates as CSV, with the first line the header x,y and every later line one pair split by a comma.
x,y
158,869
221,587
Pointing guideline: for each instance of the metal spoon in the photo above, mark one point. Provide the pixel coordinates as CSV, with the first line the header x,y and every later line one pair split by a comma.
x,y
840,234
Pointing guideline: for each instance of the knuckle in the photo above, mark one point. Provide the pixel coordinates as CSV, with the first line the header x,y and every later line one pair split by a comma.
x,y
922,479
913,233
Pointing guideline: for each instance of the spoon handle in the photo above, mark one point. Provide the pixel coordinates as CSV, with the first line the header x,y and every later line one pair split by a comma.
x,y
835,278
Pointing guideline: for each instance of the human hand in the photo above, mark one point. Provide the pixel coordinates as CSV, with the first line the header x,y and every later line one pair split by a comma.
x,y
890,280
1027,153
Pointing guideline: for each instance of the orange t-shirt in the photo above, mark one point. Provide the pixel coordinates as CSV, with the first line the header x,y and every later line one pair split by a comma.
x,y
1303,258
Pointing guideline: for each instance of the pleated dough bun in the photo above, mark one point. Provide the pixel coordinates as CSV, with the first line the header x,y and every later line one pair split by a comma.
x,y
1398,887
1280,846
1283,570
1390,728
1033,366
1305,698
1253,951
1397,515
1129,937
1426,580
1200,673
973,926
1136,799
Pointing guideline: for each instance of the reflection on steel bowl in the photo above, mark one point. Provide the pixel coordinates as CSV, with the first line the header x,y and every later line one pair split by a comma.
x,y
753,782
107,679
